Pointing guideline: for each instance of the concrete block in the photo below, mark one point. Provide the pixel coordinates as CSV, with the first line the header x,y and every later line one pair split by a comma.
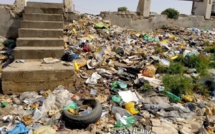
x,y
42,24
44,5
8,25
68,5
42,33
31,10
43,17
34,76
20,4
38,52
39,42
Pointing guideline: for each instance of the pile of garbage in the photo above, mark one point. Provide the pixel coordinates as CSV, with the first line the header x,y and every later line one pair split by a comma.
x,y
128,81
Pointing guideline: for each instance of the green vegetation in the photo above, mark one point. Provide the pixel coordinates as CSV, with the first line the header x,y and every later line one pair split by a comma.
x,y
122,9
200,62
147,87
176,68
159,50
161,69
178,84
207,43
210,49
171,13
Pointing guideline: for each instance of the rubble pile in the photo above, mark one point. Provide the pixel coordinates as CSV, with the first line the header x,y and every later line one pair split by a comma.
x,y
127,81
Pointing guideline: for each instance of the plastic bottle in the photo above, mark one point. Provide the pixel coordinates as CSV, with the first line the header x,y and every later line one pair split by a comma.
x,y
76,66
173,97
120,118
121,111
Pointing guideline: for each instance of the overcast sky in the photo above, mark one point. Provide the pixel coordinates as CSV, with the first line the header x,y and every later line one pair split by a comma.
x,y
95,6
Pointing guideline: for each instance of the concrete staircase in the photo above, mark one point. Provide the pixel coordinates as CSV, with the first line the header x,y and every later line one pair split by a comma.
x,y
40,36
41,31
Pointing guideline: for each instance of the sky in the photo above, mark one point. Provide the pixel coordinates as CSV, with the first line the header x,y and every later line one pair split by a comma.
x,y
96,6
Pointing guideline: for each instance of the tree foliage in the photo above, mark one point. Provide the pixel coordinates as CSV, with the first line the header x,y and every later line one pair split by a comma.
x,y
122,9
171,13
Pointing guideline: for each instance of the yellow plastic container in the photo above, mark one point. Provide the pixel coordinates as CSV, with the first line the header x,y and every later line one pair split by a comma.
x,y
130,107
76,66
72,111
188,98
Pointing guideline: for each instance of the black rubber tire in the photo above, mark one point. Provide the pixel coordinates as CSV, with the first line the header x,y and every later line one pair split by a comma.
x,y
79,121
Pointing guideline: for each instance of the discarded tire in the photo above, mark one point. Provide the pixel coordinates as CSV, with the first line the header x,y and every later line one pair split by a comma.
x,y
82,121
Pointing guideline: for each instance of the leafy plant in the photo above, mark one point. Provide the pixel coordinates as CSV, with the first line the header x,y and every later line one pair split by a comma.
x,y
176,68
171,13
200,62
178,84
159,49
210,49
122,9
161,68
147,87
207,43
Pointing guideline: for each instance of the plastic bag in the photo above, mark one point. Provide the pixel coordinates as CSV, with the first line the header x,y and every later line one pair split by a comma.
x,y
130,107
118,84
93,78
188,98
19,129
130,121
49,104
45,130
62,96
30,97
149,71
116,99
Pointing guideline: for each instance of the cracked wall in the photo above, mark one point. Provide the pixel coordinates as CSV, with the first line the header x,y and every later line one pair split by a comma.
x,y
133,21
9,21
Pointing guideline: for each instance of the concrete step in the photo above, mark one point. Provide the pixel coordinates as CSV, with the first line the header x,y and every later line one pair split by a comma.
x,y
42,33
31,10
43,17
39,42
44,5
41,24
38,52
34,76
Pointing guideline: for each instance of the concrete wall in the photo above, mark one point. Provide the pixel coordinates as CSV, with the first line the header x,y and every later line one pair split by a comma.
x,y
144,7
203,8
9,21
155,22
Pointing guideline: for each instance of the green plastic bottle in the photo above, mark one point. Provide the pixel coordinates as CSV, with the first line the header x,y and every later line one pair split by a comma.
x,y
172,96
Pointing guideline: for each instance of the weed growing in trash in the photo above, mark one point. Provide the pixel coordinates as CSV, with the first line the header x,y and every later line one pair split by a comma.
x,y
146,87
176,68
210,49
159,49
161,68
200,62
178,84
